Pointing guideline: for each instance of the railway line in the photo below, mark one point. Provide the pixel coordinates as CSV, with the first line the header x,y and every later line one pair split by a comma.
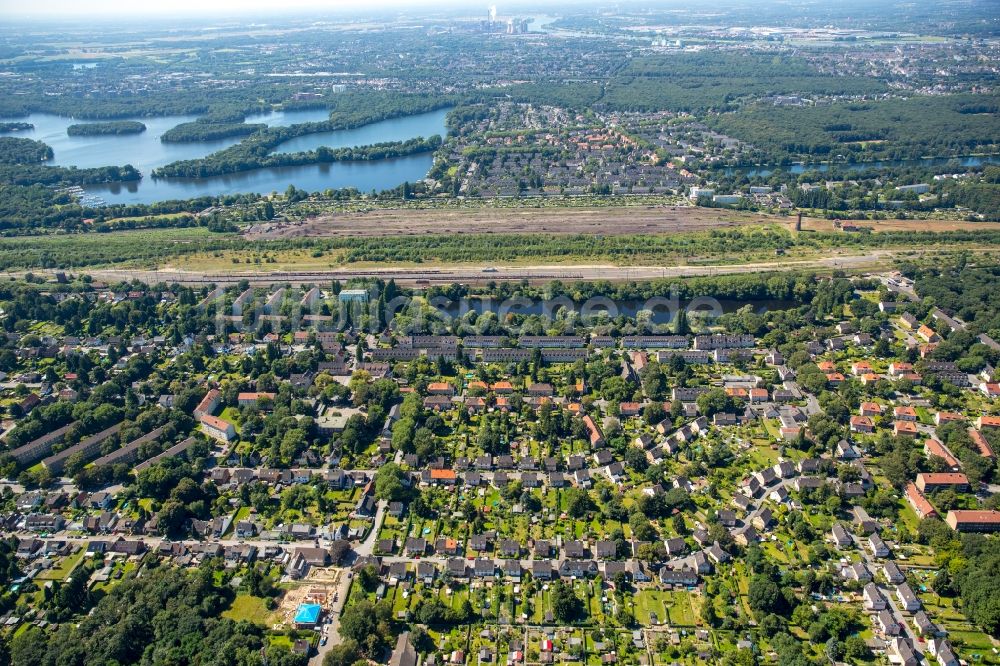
x,y
441,275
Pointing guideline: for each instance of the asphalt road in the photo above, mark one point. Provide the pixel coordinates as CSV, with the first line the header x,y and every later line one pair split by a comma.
x,y
333,629
888,591
367,546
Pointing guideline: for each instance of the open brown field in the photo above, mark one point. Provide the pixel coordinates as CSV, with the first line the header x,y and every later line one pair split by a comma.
x,y
882,226
606,221
596,220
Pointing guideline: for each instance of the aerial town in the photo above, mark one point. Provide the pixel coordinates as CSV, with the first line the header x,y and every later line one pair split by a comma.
x,y
468,489
426,333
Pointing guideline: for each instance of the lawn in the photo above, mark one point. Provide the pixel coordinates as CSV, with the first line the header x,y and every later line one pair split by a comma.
x,y
763,456
281,640
971,644
678,604
65,566
775,551
924,416
908,516
974,646
650,601
231,414
250,608
241,514
399,601
46,328
773,428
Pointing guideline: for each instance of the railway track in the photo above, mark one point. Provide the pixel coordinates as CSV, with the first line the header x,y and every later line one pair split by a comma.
x,y
430,276
310,277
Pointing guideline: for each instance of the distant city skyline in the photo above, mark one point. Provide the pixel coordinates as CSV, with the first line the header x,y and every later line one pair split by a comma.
x,y
183,7
69,8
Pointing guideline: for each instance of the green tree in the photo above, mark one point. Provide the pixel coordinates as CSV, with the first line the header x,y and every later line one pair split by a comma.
x,y
390,483
367,623
566,605
345,653
763,595
578,502
855,648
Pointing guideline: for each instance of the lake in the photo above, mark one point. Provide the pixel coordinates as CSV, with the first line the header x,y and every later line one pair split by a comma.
x,y
146,152
365,176
399,129
823,167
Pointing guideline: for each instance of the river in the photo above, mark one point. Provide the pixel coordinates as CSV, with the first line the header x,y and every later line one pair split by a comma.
x,y
146,152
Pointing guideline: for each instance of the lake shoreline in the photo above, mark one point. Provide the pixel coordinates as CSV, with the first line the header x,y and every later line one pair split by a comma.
x,y
146,152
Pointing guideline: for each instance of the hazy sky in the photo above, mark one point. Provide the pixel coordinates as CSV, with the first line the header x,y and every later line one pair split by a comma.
x,y
196,7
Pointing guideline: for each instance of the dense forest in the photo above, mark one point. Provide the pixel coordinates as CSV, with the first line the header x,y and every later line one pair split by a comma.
x,y
861,131
978,582
984,198
355,108
863,193
982,195
110,128
200,130
14,151
702,81
570,95
35,208
167,616
970,292
28,199
6,128
239,158
690,82
51,175
967,570
150,103
799,288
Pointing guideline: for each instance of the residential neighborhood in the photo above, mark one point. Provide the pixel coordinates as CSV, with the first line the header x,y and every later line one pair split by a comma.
x,y
516,493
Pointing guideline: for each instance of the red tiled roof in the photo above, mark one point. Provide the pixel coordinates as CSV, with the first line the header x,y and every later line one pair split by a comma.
x,y
919,502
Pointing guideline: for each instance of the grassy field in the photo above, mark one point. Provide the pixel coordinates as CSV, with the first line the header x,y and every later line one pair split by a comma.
x,y
673,607
731,239
126,248
971,644
66,565
140,218
231,414
249,608
256,259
